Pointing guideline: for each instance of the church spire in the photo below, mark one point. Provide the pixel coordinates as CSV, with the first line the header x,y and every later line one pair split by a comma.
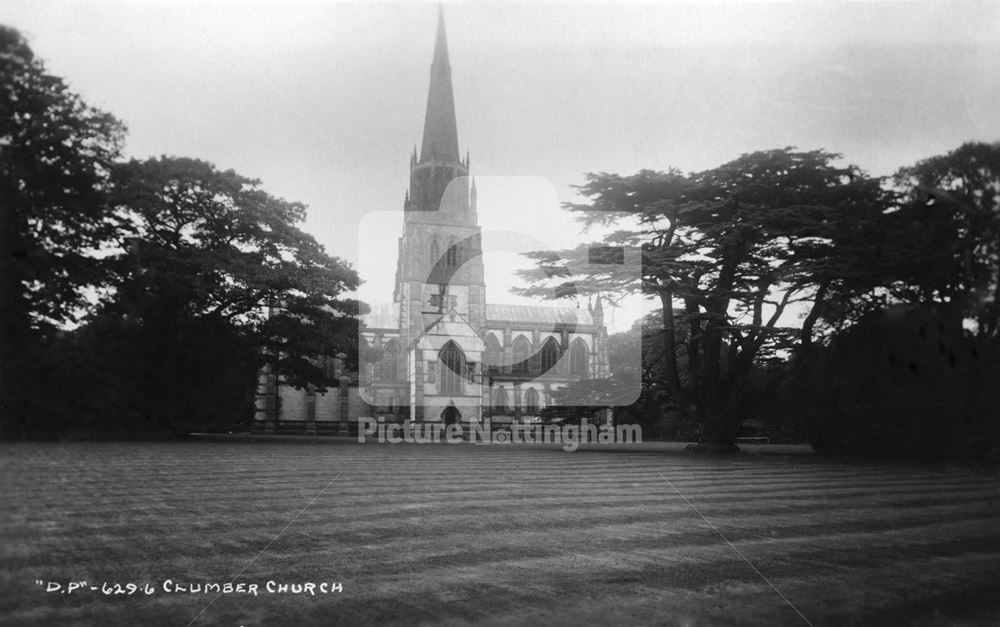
x,y
440,129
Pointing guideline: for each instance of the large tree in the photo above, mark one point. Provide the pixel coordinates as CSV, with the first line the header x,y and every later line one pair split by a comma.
x,y
196,242
183,277
911,371
55,156
736,249
948,233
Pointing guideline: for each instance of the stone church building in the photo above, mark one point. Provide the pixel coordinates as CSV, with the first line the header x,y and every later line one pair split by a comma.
x,y
442,353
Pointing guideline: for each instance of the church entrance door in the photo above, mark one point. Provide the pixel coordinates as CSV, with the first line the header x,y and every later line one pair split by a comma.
x,y
451,415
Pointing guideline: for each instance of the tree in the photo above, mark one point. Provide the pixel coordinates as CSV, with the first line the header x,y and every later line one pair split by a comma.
x,y
949,231
655,409
901,377
734,248
198,249
903,383
198,242
55,155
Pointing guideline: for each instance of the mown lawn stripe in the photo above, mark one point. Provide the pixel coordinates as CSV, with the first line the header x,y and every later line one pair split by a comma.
x,y
493,535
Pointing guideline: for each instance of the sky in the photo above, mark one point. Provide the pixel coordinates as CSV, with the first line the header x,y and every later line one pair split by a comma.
x,y
324,101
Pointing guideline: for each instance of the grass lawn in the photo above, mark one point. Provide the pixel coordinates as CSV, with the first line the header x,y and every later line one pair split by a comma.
x,y
459,534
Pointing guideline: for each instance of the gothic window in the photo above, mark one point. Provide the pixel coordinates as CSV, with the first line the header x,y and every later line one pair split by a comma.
x,y
494,354
451,257
435,252
331,367
578,357
522,350
452,363
531,402
500,401
389,368
550,354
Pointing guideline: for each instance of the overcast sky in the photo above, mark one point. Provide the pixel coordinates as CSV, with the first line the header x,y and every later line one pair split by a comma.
x,y
324,101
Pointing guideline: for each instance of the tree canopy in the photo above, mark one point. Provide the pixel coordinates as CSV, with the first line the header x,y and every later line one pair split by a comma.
x,y
150,291
56,154
728,252
193,241
758,260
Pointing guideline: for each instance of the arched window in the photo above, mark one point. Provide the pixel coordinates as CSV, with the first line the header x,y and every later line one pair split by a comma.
x,y
494,354
578,358
531,402
500,401
452,366
550,354
451,257
522,350
389,368
368,360
435,252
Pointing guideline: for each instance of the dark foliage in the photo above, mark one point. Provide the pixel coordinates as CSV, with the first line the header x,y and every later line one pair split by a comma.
x,y
727,252
117,379
903,383
55,157
195,242
177,279
55,154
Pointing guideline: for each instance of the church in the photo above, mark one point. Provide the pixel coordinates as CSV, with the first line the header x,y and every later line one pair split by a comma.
x,y
441,353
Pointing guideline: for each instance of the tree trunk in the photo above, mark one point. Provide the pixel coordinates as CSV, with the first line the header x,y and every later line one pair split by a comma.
x,y
694,354
15,324
670,345
714,393
805,336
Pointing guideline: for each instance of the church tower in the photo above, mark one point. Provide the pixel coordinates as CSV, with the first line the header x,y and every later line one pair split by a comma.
x,y
442,354
439,273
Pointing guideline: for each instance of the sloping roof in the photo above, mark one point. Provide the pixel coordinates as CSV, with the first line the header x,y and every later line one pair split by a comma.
x,y
538,314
